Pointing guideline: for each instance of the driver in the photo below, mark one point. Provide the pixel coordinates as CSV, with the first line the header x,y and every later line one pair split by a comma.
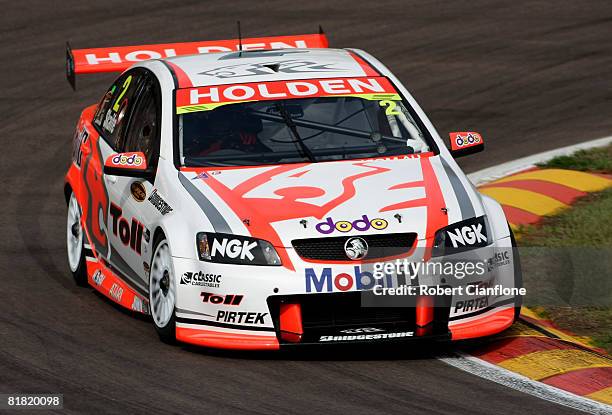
x,y
224,128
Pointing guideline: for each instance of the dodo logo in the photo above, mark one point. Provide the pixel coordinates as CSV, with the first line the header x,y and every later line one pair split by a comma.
x,y
362,225
468,140
128,159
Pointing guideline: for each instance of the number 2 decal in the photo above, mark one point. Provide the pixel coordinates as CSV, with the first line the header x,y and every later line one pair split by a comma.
x,y
391,105
124,88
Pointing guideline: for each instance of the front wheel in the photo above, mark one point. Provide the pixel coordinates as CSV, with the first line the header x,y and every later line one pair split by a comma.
x,y
162,291
74,242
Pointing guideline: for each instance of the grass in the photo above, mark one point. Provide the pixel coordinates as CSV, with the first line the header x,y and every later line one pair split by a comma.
x,y
597,160
587,223
567,259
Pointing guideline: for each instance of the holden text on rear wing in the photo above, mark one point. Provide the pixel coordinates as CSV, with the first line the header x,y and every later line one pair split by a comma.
x,y
117,59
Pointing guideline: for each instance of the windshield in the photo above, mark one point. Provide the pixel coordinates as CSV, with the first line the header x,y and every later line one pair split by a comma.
x,y
298,130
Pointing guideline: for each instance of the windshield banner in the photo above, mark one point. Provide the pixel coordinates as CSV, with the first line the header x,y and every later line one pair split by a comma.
x,y
207,98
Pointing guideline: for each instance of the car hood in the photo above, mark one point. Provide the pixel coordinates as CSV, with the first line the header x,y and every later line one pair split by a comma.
x,y
281,203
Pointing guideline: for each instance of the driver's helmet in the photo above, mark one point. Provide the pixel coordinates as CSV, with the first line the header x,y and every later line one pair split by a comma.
x,y
205,128
219,124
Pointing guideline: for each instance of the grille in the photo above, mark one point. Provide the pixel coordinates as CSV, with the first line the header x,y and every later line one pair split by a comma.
x,y
344,309
332,249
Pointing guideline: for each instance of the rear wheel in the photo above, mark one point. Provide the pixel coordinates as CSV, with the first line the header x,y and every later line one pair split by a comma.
x,y
518,274
162,291
74,242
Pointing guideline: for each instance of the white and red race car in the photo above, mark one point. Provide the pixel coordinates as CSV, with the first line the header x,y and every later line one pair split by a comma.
x,y
262,193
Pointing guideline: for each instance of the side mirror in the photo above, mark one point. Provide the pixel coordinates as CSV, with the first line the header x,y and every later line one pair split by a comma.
x,y
465,143
133,164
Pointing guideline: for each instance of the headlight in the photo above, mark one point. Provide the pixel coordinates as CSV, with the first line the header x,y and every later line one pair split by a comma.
x,y
235,249
461,236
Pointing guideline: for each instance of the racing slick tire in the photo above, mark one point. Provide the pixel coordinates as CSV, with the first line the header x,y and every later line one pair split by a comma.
x,y
162,290
75,245
518,274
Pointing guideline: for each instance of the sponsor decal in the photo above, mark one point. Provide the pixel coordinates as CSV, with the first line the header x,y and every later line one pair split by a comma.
x,y
361,330
116,292
359,280
463,306
470,235
469,139
233,248
80,139
356,248
363,224
99,116
202,175
228,299
209,97
111,120
498,259
296,66
98,277
160,204
248,317
139,305
128,159
465,139
207,174
138,191
201,279
130,235
380,336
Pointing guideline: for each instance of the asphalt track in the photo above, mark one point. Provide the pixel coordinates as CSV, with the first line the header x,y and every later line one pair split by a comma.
x,y
530,77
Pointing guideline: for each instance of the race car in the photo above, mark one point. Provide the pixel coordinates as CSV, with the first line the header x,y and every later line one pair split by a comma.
x,y
264,193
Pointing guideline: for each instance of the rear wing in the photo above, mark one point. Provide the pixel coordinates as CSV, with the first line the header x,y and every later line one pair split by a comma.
x,y
118,59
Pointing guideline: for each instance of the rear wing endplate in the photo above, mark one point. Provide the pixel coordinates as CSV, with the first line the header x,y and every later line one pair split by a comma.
x,y
119,58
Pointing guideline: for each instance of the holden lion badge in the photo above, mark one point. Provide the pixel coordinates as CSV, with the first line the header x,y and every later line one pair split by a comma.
x,y
356,248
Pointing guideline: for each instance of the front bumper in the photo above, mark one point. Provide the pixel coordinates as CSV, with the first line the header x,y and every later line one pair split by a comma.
x,y
283,308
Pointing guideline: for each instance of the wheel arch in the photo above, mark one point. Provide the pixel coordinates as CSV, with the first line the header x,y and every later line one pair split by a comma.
x,y
496,216
157,232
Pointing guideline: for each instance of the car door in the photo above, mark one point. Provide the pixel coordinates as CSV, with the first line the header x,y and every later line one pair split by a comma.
x,y
103,138
131,210
111,121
